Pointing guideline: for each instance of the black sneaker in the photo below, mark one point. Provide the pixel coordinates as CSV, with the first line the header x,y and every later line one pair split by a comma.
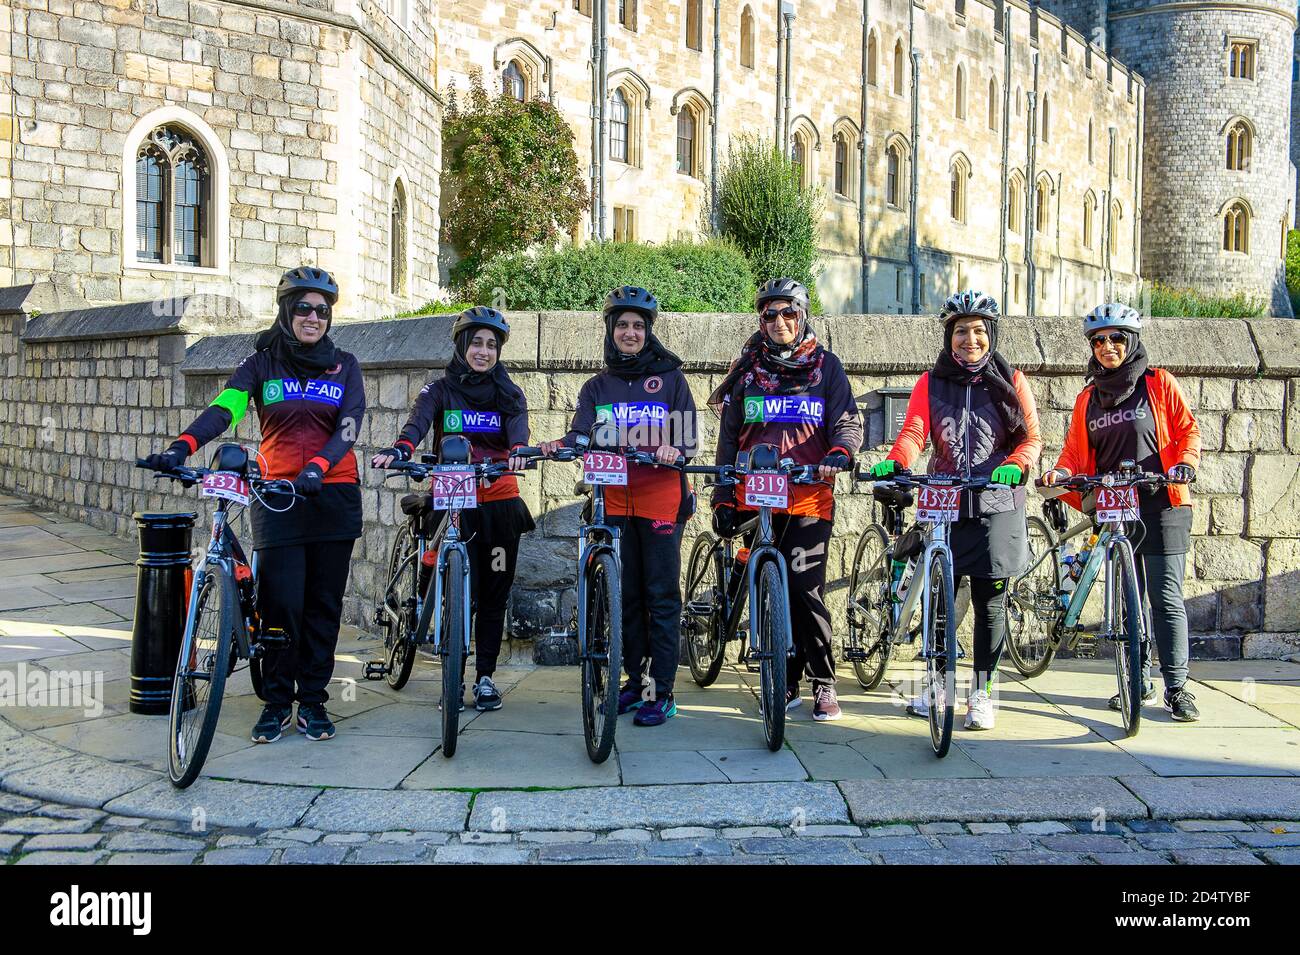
x,y
273,721
314,722
461,700
486,695
1148,697
1179,703
792,697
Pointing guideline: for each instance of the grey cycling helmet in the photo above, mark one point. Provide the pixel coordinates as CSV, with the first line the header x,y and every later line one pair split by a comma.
x,y
1112,315
970,303
782,288
632,298
306,278
481,316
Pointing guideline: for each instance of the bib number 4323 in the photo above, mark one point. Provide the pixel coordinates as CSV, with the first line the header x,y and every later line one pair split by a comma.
x,y
938,505
599,467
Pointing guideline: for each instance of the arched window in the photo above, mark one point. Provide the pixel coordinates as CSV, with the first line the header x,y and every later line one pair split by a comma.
x,y
512,81
618,127
747,38
1020,95
899,56
872,56
799,157
1089,210
695,24
1047,120
957,189
1042,205
993,103
686,125
1116,215
173,190
397,240
959,94
1016,203
1239,146
896,174
1236,228
842,175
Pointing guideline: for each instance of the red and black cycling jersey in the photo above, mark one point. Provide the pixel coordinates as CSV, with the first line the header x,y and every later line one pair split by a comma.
x,y
649,412
492,434
303,420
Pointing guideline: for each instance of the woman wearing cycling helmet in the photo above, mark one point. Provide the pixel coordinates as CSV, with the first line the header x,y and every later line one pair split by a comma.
x,y
476,398
643,393
787,390
980,415
310,401
1131,411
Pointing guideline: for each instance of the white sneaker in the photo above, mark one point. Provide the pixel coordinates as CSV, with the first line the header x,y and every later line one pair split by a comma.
x,y
920,705
979,711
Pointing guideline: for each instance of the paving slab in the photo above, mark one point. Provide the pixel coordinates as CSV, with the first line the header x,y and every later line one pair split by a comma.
x,y
1084,754
1279,699
526,710
834,761
1218,798
62,858
668,767
405,720
374,810
904,751
726,719
79,780
90,591
130,737
602,809
219,802
113,699
346,760
24,752
757,765
49,621
1195,750
44,545
35,648
501,758
1009,800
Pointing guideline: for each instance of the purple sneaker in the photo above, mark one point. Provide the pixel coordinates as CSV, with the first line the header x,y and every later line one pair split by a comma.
x,y
656,712
629,697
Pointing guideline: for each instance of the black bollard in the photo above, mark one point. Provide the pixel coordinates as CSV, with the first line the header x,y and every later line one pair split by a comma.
x,y
161,592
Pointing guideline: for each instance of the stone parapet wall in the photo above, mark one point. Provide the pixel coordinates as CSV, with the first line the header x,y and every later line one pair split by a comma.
x,y
80,401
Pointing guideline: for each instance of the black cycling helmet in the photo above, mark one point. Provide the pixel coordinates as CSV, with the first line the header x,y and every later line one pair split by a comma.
x,y
481,316
633,298
782,288
306,278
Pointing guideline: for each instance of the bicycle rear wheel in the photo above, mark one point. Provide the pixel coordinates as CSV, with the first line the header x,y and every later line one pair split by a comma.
x,y
1031,632
868,607
403,581
452,648
602,656
702,617
1128,637
941,661
770,616
201,670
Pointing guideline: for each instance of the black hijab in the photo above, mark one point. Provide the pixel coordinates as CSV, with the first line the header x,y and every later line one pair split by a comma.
x,y
652,359
1115,385
303,361
490,390
993,370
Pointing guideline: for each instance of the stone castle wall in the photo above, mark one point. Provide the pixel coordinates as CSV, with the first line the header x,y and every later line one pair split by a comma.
x,y
85,393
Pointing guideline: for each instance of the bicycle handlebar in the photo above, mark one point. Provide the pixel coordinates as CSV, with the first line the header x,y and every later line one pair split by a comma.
x,y
1086,482
418,471
905,478
190,476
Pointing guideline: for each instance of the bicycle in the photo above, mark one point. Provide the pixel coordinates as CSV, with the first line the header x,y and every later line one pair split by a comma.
x,y
405,610
715,600
879,616
222,624
1045,594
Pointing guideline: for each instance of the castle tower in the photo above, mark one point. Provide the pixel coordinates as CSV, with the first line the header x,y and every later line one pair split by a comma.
x,y
1217,183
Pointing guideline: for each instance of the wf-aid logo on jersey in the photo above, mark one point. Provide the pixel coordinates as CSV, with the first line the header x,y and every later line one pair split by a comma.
x,y
798,409
455,421
291,389
632,413
1110,418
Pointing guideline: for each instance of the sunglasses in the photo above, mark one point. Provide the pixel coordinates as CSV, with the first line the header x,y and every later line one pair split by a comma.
x,y
789,313
1115,338
303,309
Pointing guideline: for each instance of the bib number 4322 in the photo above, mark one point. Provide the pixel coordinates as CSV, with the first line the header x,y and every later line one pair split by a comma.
x,y
1115,504
938,505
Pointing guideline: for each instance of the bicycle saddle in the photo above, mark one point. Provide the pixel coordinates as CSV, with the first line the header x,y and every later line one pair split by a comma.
x,y
454,449
761,457
230,457
416,505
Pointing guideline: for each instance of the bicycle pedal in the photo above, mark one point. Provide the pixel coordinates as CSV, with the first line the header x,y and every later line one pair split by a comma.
x,y
273,638
855,655
375,670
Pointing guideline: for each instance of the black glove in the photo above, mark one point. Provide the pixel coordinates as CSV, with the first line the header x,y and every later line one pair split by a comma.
x,y
1182,473
726,522
836,459
173,457
396,451
308,481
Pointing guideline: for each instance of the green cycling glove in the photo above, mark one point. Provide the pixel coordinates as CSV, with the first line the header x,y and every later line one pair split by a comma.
x,y
884,469
1009,474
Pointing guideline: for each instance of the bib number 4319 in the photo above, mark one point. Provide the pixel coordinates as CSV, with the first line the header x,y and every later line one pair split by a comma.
x,y
767,489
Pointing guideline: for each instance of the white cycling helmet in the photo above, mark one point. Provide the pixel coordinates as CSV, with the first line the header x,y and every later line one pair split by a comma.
x,y
1112,315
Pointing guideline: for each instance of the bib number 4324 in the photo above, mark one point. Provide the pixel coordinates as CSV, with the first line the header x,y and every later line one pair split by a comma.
x,y
1115,504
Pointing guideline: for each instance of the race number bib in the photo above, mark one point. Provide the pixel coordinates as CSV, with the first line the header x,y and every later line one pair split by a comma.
x,y
598,467
1115,504
767,489
226,485
938,505
454,487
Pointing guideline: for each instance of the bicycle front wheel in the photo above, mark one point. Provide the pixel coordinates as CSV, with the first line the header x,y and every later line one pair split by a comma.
x,y
868,608
771,618
1128,637
1031,627
452,648
941,656
403,580
602,656
201,670
702,617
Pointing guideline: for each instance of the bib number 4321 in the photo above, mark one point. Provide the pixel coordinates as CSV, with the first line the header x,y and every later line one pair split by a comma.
x,y
1115,504
227,485
767,489
938,505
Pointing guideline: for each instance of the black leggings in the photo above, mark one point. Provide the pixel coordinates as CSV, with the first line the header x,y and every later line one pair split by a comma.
x,y
988,597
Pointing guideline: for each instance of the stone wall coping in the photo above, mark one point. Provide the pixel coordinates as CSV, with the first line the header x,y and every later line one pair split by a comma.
x,y
32,297
193,314
1278,343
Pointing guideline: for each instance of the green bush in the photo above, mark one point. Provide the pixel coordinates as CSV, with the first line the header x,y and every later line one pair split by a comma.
x,y
710,276
763,210
435,308
1293,269
1165,301
511,177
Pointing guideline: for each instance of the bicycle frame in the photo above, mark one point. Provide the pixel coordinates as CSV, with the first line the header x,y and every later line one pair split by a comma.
x,y
595,538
